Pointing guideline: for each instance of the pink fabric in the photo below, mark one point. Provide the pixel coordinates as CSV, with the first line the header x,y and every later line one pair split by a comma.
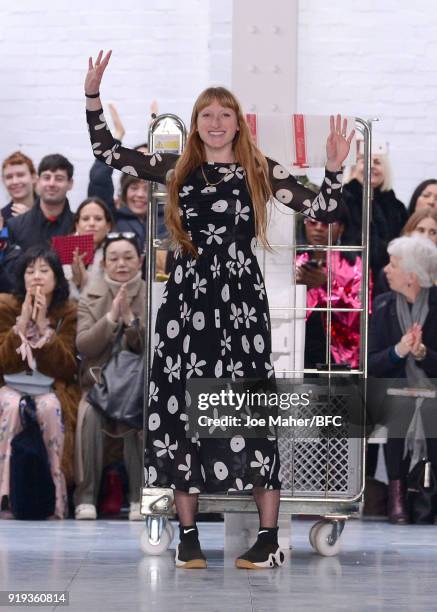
x,y
49,417
32,339
345,293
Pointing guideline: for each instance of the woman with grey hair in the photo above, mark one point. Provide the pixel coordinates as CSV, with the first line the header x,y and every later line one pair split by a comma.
x,y
403,348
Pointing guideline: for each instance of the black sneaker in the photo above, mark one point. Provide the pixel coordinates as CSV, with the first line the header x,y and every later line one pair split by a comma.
x,y
264,554
189,555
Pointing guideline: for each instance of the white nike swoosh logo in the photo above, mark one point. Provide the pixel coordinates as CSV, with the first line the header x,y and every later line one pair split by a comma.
x,y
188,530
263,531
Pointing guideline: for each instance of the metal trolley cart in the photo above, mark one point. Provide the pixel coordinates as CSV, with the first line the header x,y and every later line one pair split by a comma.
x,y
322,476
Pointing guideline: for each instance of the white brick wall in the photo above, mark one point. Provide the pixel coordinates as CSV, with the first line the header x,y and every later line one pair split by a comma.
x,y
370,59
378,59
220,42
160,50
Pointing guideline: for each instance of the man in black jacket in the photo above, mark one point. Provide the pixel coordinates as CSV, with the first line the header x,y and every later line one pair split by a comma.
x,y
51,214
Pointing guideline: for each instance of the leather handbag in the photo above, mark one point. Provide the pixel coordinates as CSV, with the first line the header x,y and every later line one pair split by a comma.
x,y
119,393
422,493
32,490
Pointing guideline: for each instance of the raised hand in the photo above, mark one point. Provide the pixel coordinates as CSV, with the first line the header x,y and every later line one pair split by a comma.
x,y
95,72
119,130
338,143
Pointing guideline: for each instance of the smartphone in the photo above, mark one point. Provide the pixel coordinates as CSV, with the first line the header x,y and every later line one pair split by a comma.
x,y
312,263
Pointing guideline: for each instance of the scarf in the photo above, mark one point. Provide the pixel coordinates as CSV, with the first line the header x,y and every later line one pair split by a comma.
x,y
415,439
132,286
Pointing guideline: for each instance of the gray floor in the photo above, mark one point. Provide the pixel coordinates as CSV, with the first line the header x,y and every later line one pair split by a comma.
x,y
381,567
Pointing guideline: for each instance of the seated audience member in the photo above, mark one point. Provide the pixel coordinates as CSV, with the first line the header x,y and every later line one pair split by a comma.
x,y
424,196
51,215
19,178
389,215
403,348
92,217
422,223
132,216
115,300
346,275
9,255
37,348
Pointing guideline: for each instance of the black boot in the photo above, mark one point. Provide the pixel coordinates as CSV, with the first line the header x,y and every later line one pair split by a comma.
x,y
265,553
397,511
189,555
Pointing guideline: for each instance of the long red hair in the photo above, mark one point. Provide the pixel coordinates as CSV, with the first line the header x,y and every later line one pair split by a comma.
x,y
246,154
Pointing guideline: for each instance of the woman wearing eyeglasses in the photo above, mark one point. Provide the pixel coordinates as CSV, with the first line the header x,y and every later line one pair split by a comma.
x,y
115,300
346,274
214,318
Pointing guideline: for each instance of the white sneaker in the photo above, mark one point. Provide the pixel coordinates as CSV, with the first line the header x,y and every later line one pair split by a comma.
x,y
85,512
134,512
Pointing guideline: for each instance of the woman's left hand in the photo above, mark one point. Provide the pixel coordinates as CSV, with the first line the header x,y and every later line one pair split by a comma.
x,y
125,309
338,143
40,308
78,269
416,330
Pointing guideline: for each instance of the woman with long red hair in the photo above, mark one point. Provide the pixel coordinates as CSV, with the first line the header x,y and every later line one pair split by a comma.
x,y
214,319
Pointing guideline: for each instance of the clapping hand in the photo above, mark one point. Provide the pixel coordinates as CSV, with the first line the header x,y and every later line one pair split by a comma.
x,y
120,309
338,143
95,73
416,347
410,341
39,313
26,313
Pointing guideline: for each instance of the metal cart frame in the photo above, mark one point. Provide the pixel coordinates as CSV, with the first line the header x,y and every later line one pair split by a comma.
x,y
157,504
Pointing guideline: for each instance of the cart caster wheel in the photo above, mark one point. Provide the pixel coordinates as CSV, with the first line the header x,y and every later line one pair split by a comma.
x,y
156,546
313,532
169,527
325,543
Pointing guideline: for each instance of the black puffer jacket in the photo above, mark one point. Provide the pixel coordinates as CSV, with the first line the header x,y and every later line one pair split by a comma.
x,y
389,216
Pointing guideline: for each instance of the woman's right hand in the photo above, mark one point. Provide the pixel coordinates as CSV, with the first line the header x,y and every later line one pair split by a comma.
x,y
114,313
26,313
95,73
118,305
405,344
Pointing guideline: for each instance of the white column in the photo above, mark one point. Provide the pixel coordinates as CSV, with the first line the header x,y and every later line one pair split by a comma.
x,y
264,54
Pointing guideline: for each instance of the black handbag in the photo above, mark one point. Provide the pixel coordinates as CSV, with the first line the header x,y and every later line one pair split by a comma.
x,y
422,493
32,493
120,392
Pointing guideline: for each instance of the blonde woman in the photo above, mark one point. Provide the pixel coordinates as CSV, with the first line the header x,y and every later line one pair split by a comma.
x,y
389,214
214,319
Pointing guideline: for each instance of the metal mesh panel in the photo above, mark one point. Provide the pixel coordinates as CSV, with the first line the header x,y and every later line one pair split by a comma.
x,y
320,467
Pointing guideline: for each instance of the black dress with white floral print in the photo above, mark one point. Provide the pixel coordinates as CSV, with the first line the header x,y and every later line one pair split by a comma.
x,y
214,318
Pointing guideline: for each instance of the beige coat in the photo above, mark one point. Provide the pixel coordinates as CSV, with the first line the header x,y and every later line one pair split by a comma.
x,y
96,333
95,339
